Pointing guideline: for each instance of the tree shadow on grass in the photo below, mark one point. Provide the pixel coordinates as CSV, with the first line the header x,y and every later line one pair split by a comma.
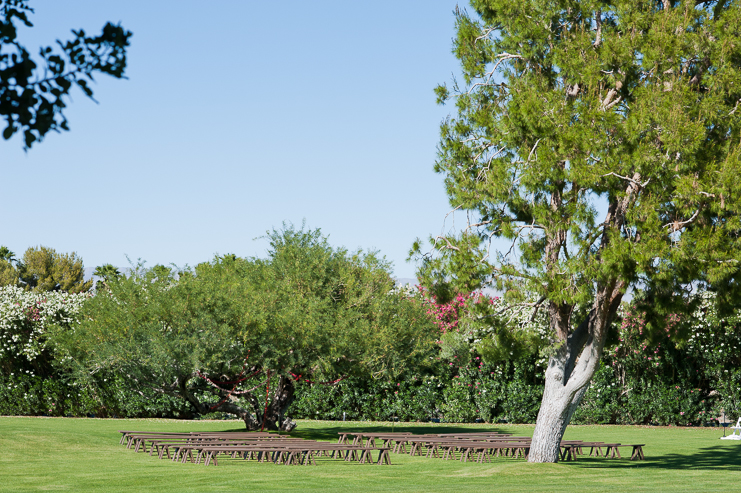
x,y
332,432
721,457
707,458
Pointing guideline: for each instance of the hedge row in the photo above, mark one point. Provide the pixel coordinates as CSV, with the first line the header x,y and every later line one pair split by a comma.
x,y
643,378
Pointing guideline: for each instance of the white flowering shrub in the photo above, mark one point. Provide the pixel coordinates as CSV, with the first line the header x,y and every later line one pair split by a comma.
x,y
25,317
29,382
33,381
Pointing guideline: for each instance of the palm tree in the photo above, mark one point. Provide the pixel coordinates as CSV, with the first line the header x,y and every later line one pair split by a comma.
x,y
106,273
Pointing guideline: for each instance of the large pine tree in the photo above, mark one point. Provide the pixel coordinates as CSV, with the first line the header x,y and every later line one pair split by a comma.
x,y
601,139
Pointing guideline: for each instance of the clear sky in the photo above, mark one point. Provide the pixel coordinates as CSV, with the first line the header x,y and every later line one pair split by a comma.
x,y
237,116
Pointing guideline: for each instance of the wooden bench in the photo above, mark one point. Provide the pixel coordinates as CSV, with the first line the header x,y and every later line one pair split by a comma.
x,y
612,450
163,446
294,453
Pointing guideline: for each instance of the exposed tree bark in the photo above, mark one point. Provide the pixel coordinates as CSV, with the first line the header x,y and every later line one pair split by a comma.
x,y
572,366
225,406
274,419
569,372
278,406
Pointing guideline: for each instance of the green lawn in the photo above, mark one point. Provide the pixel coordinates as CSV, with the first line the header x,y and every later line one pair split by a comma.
x,y
66,454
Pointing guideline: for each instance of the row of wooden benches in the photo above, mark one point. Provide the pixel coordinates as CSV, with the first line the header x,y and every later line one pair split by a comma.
x,y
206,447
280,449
483,445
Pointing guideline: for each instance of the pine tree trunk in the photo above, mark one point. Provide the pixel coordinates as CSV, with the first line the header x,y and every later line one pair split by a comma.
x,y
568,374
555,413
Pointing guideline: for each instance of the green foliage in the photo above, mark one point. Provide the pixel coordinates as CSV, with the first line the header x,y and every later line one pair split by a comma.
x,y
32,98
362,399
648,377
104,396
209,335
457,269
453,391
6,254
23,394
600,140
597,144
8,274
642,379
43,269
106,272
8,267
491,327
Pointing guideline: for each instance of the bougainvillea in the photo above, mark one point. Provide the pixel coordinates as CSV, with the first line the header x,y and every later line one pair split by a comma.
x,y
447,315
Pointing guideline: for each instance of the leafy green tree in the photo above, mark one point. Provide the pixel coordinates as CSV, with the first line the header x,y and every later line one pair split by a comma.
x,y
600,140
32,100
8,271
235,335
43,269
8,274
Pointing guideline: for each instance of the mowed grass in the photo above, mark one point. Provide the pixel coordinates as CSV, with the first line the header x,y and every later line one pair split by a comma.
x,y
83,455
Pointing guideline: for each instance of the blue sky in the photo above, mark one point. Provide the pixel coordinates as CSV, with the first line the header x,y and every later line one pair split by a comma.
x,y
237,116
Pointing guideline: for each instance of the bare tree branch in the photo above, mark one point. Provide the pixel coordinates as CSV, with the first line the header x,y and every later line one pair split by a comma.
x,y
642,185
677,225
449,245
598,22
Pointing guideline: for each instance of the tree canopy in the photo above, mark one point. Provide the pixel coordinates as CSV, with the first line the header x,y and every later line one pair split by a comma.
x,y
32,97
600,140
8,270
219,334
43,269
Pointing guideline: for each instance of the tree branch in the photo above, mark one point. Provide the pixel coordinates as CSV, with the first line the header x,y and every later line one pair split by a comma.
x,y
677,225
598,22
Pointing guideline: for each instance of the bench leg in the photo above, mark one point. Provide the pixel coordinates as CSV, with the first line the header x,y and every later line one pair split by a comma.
x,y
381,455
464,455
310,458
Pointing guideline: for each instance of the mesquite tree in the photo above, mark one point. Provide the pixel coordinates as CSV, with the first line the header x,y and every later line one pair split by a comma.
x,y
600,140
234,335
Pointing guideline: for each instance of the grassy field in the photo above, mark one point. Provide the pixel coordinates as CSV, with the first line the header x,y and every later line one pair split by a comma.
x,y
83,455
